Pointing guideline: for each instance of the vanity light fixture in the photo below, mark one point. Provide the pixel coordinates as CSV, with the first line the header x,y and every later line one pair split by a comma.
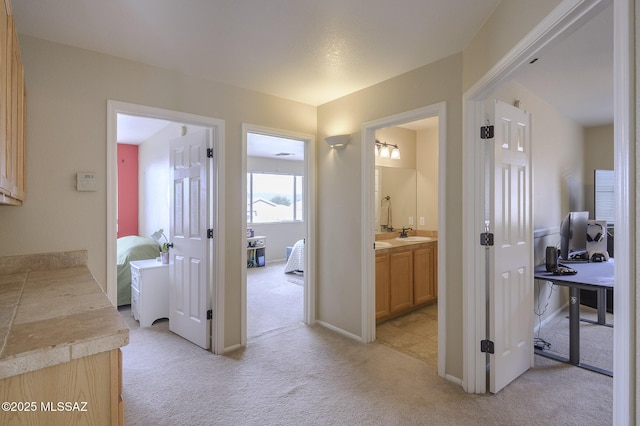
x,y
338,141
387,150
395,154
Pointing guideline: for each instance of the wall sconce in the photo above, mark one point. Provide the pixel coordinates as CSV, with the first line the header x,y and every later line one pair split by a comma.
x,y
387,150
338,141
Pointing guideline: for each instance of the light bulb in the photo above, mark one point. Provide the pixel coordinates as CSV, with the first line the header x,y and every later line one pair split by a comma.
x,y
385,152
395,153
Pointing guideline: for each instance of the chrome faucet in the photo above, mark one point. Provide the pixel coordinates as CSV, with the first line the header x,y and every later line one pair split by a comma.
x,y
403,234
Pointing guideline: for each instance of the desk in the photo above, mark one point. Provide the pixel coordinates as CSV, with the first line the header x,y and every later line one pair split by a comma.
x,y
595,276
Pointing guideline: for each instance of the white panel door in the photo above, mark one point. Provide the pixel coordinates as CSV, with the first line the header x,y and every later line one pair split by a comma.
x,y
188,268
511,266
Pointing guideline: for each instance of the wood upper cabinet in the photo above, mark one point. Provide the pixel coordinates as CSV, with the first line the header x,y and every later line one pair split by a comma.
x,y
425,275
12,112
401,281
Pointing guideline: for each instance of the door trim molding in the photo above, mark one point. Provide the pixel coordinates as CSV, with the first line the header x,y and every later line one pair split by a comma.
x,y
368,284
309,314
626,180
217,218
561,21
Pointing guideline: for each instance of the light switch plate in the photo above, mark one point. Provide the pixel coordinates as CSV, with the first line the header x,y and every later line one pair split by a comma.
x,y
86,181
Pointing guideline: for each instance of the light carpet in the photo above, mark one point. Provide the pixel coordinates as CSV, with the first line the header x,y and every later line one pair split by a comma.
x,y
292,374
308,375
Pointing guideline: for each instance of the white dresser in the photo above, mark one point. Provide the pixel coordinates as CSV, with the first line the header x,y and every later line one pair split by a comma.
x,y
149,291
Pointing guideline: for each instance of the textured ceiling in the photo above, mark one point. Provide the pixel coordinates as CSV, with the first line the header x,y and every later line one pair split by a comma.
x,y
305,50
317,51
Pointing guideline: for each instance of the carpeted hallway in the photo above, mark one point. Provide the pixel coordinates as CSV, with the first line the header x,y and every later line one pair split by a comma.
x,y
299,375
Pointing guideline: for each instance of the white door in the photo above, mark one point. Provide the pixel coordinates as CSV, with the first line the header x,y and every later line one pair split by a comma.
x,y
511,265
188,268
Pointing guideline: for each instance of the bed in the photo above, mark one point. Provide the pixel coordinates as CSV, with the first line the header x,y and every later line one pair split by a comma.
x,y
295,263
130,248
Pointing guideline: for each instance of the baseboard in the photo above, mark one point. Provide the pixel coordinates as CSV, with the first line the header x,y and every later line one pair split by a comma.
x,y
545,232
231,348
550,317
339,331
453,379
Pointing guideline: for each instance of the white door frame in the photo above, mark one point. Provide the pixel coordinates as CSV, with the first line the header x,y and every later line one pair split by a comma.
x,y
218,220
368,273
309,314
562,21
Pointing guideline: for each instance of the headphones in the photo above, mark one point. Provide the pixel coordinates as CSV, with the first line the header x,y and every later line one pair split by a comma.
x,y
599,232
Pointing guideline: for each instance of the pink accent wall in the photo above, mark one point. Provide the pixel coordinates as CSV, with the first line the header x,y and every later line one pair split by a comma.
x,y
127,190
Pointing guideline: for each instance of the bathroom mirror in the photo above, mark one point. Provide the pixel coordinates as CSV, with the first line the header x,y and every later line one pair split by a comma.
x,y
400,185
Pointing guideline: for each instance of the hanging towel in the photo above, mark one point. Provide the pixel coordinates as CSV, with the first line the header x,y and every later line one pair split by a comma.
x,y
385,213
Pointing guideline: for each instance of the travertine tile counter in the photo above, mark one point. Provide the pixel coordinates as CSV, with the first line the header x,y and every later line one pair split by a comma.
x,y
56,320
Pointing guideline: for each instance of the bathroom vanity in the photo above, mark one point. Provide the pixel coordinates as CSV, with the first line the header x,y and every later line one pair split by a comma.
x,y
406,275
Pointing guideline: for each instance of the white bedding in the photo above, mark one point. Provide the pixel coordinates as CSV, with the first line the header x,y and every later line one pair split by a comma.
x,y
296,258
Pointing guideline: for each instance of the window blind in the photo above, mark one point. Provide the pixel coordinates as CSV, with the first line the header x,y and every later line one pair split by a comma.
x,y
604,195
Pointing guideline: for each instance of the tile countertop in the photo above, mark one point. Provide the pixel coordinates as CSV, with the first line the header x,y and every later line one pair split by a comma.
x,y
52,310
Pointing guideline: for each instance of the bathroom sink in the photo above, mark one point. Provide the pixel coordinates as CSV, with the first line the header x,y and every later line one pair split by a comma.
x,y
415,239
381,244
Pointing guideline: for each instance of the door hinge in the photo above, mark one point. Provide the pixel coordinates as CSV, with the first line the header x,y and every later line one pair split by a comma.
x,y
486,132
486,239
209,152
209,314
209,233
486,346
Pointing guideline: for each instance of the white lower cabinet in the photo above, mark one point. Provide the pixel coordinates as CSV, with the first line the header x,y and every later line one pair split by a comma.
x,y
149,291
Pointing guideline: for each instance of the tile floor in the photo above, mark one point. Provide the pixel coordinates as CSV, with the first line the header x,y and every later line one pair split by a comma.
x,y
414,333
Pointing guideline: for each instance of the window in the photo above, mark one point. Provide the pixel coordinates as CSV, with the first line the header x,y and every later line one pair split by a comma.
x,y
604,195
274,197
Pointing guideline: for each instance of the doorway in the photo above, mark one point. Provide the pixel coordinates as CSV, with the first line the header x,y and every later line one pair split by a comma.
x,y
277,271
438,112
406,197
565,19
216,127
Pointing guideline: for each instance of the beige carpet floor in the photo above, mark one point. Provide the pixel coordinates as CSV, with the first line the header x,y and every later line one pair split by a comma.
x,y
596,341
308,375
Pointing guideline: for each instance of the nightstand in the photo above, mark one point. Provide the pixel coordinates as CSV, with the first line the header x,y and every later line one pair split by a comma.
x,y
149,291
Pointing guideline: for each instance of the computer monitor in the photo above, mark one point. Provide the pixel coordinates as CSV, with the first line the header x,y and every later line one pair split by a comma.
x,y
573,236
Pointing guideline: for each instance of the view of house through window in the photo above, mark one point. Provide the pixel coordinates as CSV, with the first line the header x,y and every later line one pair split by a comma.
x,y
274,197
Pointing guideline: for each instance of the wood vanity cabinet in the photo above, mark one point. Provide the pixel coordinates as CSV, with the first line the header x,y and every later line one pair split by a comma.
x,y
425,273
400,281
12,112
382,286
405,280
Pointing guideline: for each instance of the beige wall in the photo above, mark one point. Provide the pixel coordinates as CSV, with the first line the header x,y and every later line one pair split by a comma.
x,y
598,154
509,23
427,167
339,193
67,90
